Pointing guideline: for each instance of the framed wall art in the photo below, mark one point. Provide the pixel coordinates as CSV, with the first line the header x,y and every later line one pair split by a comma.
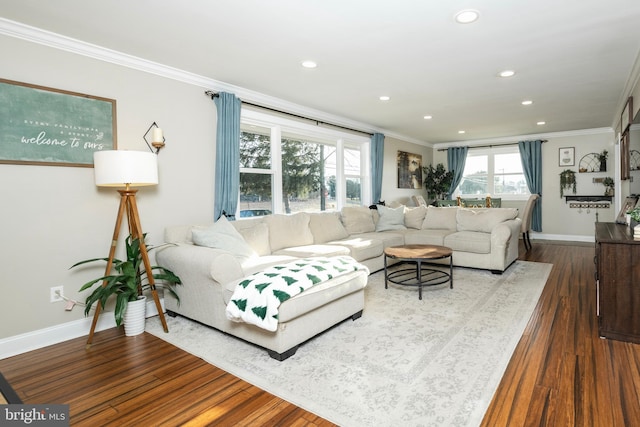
x,y
53,127
567,156
409,170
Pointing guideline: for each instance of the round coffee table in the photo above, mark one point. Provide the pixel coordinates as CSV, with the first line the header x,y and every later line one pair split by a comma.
x,y
418,276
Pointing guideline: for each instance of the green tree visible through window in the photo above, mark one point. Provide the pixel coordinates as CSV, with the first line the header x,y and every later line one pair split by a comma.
x,y
301,167
300,170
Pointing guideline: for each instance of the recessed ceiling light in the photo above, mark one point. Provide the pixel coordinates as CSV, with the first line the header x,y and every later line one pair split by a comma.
x,y
507,73
541,123
461,131
384,98
467,16
428,117
527,102
309,64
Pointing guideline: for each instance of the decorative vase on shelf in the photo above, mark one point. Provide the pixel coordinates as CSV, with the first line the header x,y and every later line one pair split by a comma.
x,y
135,316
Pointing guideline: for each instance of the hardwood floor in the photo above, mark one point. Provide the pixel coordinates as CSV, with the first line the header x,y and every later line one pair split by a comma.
x,y
561,373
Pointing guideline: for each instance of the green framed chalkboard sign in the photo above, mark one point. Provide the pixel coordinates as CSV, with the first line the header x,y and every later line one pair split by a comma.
x,y
53,127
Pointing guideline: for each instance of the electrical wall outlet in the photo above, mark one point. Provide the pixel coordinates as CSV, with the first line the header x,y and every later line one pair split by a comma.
x,y
56,293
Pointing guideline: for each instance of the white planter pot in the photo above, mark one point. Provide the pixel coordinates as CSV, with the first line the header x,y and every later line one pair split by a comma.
x,y
134,317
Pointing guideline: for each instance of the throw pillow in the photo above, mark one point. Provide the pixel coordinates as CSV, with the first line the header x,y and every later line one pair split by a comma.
x,y
440,218
257,236
358,219
483,219
327,227
286,231
414,217
222,235
390,219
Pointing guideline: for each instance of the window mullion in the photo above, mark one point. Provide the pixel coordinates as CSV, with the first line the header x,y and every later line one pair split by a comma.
x,y
276,165
341,184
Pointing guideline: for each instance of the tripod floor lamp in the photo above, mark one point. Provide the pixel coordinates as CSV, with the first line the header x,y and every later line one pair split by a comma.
x,y
128,169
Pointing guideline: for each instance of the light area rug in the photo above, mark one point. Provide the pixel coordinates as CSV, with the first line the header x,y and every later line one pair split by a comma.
x,y
435,362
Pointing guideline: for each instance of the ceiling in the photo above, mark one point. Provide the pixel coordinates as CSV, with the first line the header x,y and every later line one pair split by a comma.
x,y
572,58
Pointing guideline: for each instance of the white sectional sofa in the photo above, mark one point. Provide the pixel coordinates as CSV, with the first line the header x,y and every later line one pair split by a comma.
x,y
212,259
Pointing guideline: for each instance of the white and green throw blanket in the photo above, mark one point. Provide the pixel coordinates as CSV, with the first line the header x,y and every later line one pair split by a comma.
x,y
256,298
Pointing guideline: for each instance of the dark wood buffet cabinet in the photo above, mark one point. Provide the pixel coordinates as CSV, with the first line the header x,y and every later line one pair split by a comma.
x,y
617,282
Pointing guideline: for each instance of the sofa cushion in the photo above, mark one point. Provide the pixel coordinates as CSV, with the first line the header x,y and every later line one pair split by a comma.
x,y
388,238
426,237
440,218
414,217
361,249
326,226
357,219
483,220
469,241
308,251
390,218
288,230
257,264
257,236
222,235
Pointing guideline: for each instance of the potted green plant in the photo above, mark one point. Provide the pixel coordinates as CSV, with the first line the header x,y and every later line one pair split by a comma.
x,y
437,181
608,184
567,180
128,282
634,216
602,157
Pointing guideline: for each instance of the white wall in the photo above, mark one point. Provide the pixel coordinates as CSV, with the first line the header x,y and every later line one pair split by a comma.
x,y
390,190
559,221
52,217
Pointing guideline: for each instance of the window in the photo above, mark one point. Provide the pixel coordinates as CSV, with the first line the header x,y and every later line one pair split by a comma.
x,y
495,171
288,166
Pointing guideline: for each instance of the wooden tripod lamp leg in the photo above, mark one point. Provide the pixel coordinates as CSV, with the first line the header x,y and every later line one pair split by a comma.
x,y
112,253
137,230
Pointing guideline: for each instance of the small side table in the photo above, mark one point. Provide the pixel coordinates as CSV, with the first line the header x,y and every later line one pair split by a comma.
x,y
418,276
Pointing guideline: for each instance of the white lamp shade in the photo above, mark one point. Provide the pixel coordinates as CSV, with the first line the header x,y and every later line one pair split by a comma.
x,y
117,168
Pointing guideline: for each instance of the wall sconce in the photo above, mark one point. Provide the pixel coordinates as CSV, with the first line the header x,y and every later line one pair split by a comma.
x,y
157,138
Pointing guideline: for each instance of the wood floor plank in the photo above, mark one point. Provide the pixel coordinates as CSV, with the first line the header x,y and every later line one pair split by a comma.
x,y
561,373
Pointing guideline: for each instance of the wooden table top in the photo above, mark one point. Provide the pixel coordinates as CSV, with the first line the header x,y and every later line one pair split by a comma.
x,y
418,251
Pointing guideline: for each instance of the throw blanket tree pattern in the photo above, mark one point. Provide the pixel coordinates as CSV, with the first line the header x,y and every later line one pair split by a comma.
x,y
257,298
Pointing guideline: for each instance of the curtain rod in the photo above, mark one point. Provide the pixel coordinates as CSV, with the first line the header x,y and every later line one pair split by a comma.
x,y
213,94
488,146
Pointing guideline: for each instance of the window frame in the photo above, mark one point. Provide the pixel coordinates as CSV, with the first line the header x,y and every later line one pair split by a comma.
x,y
491,152
279,126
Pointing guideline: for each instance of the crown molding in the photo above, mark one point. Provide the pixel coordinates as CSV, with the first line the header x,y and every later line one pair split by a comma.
x,y
57,41
515,138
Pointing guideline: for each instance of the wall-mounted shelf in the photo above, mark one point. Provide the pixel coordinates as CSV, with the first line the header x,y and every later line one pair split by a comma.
x,y
590,163
588,199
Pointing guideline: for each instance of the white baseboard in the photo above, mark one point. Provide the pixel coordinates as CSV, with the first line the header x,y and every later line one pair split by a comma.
x,y
22,343
566,238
